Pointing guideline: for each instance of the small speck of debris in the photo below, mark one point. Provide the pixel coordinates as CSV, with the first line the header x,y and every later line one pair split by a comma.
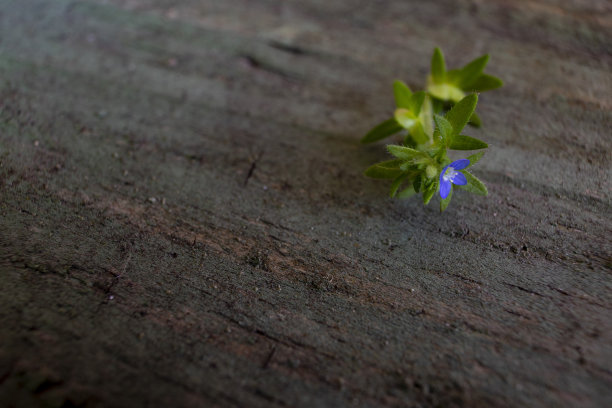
x,y
265,188
111,297
36,143
153,200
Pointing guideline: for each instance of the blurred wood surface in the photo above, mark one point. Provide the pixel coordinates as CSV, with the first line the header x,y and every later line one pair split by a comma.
x,y
184,221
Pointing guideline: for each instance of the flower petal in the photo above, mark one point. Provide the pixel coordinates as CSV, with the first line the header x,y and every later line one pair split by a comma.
x,y
442,173
460,179
460,164
445,188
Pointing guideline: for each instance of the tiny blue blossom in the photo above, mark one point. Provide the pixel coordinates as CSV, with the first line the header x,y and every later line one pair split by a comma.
x,y
451,175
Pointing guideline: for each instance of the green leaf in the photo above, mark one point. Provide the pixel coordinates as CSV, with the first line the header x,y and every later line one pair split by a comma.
x,y
409,141
405,118
470,73
408,166
474,185
459,115
445,92
416,102
437,106
407,192
446,201
429,192
452,76
403,152
385,129
463,142
485,83
385,170
475,120
418,133
445,129
426,118
439,154
417,183
397,183
474,158
438,67
403,95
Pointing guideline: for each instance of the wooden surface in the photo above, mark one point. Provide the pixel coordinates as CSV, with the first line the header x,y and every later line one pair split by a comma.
x,y
184,220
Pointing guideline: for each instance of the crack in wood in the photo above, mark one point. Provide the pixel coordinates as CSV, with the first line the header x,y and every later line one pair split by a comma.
x,y
269,358
291,49
252,167
250,172
259,64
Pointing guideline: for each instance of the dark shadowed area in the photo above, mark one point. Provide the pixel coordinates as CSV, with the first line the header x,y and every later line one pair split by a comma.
x,y
184,220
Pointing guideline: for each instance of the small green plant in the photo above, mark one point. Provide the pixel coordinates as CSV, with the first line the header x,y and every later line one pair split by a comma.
x,y
432,122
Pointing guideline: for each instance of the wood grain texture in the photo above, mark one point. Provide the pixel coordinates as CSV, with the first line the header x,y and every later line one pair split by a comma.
x,y
184,220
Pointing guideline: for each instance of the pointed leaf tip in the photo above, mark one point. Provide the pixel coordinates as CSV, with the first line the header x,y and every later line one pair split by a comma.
x,y
471,71
485,82
397,183
416,102
475,158
474,185
475,120
403,152
446,201
438,66
460,114
403,95
382,130
464,142
385,170
429,192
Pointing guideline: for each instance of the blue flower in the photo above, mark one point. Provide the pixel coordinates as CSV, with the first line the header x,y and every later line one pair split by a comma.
x,y
451,175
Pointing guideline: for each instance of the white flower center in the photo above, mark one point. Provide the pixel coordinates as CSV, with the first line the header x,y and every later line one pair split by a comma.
x,y
450,174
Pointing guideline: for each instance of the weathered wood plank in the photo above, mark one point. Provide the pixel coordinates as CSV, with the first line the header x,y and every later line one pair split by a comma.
x,y
184,220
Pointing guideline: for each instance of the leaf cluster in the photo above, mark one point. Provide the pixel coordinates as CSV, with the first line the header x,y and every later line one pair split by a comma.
x,y
449,87
433,122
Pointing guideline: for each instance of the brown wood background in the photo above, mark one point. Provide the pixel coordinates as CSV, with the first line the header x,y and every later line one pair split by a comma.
x,y
184,220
